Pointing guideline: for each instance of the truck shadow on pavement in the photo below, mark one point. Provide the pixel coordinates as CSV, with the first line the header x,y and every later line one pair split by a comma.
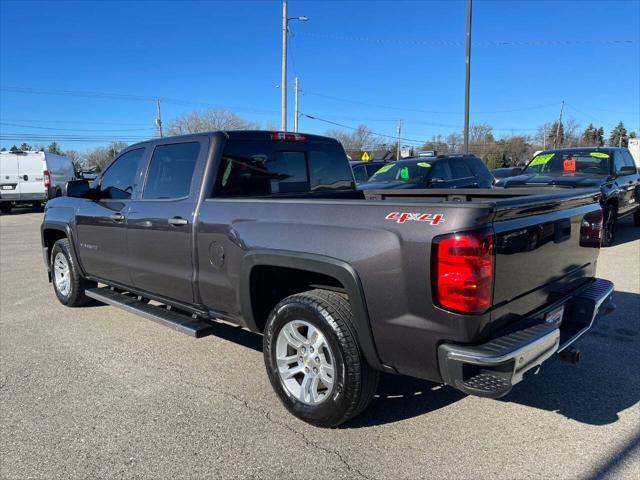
x,y
594,391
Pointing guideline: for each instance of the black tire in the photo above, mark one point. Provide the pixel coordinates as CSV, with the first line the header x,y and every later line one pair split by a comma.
x,y
355,381
636,218
75,297
5,208
609,225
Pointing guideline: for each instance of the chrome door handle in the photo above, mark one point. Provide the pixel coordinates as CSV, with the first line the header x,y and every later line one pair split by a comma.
x,y
177,221
117,217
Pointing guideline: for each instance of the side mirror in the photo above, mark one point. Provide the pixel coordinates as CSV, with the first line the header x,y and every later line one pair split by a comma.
x,y
628,170
78,188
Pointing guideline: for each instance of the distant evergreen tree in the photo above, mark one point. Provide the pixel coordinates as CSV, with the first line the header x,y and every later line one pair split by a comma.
x,y
25,147
618,136
14,149
54,148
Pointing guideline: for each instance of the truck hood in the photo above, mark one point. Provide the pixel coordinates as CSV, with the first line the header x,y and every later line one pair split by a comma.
x,y
574,180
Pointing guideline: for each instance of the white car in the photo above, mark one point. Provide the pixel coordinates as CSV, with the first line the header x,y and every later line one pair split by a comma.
x,y
32,177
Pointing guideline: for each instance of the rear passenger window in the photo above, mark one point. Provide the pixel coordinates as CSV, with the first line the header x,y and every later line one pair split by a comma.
x,y
119,179
360,174
171,170
459,169
253,168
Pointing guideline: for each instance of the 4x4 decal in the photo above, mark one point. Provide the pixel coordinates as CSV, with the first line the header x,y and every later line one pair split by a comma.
x,y
432,218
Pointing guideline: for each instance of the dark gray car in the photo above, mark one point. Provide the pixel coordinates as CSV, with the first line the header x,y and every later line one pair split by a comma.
x,y
469,287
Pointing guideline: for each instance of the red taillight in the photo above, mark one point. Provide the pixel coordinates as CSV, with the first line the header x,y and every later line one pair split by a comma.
x,y
288,137
462,271
591,229
47,179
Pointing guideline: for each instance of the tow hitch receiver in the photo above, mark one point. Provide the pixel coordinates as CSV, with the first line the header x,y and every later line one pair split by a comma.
x,y
570,355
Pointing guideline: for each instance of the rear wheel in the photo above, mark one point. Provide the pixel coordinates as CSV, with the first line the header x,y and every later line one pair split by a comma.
x,y
610,223
68,283
5,208
314,361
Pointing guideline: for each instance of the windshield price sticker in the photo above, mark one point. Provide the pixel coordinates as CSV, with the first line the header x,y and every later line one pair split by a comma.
x,y
569,164
431,218
541,159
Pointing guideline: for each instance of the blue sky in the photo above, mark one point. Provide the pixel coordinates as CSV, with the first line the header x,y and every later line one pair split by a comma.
x,y
369,62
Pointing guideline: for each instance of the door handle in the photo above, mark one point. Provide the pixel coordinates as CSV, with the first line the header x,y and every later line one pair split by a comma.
x,y
177,221
117,217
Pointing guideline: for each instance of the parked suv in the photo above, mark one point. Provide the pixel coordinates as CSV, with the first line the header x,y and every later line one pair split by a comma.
x,y
267,230
362,170
612,170
458,171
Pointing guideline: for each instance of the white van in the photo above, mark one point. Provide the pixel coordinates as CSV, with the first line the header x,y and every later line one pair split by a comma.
x,y
32,177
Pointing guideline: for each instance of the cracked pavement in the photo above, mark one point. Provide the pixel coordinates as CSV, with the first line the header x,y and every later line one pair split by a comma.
x,y
99,393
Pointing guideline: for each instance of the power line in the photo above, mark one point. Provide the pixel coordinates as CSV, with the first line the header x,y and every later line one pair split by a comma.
x,y
128,97
72,122
76,129
439,112
489,43
404,139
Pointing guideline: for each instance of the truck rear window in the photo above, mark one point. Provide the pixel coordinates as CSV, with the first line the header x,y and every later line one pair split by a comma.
x,y
256,169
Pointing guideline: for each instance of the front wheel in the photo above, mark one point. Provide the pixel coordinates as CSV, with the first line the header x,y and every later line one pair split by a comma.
x,y
610,224
68,283
5,208
314,361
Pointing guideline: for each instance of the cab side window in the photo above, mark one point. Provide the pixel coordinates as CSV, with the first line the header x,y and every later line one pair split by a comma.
x,y
459,169
171,170
119,179
441,169
628,159
618,161
360,174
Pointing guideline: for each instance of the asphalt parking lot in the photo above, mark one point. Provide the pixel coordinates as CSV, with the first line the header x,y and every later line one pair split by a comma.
x,y
97,392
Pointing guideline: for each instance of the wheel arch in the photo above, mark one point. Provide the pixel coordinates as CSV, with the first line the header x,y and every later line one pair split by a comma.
x,y
52,232
329,267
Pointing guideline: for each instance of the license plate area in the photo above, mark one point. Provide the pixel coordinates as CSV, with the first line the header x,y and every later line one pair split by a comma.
x,y
10,186
554,317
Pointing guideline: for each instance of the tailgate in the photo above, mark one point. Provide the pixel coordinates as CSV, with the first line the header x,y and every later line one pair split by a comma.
x,y
540,257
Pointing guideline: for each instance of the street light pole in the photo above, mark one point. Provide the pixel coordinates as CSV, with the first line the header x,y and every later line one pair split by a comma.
x,y
467,80
295,118
283,83
285,37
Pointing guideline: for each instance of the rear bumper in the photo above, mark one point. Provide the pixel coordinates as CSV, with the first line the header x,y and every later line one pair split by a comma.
x,y
18,197
493,368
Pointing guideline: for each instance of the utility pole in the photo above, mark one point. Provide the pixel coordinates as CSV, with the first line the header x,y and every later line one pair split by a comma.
x,y
283,83
555,140
159,118
398,145
467,80
295,118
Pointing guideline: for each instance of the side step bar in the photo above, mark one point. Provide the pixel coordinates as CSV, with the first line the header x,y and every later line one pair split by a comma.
x,y
183,322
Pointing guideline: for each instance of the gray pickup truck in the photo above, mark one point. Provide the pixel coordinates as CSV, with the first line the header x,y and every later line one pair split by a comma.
x,y
468,287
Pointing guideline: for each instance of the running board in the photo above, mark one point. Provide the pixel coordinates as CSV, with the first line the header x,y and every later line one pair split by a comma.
x,y
183,322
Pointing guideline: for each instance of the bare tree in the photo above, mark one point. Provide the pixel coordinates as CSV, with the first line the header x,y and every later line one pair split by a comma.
x,y
208,120
100,156
361,138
